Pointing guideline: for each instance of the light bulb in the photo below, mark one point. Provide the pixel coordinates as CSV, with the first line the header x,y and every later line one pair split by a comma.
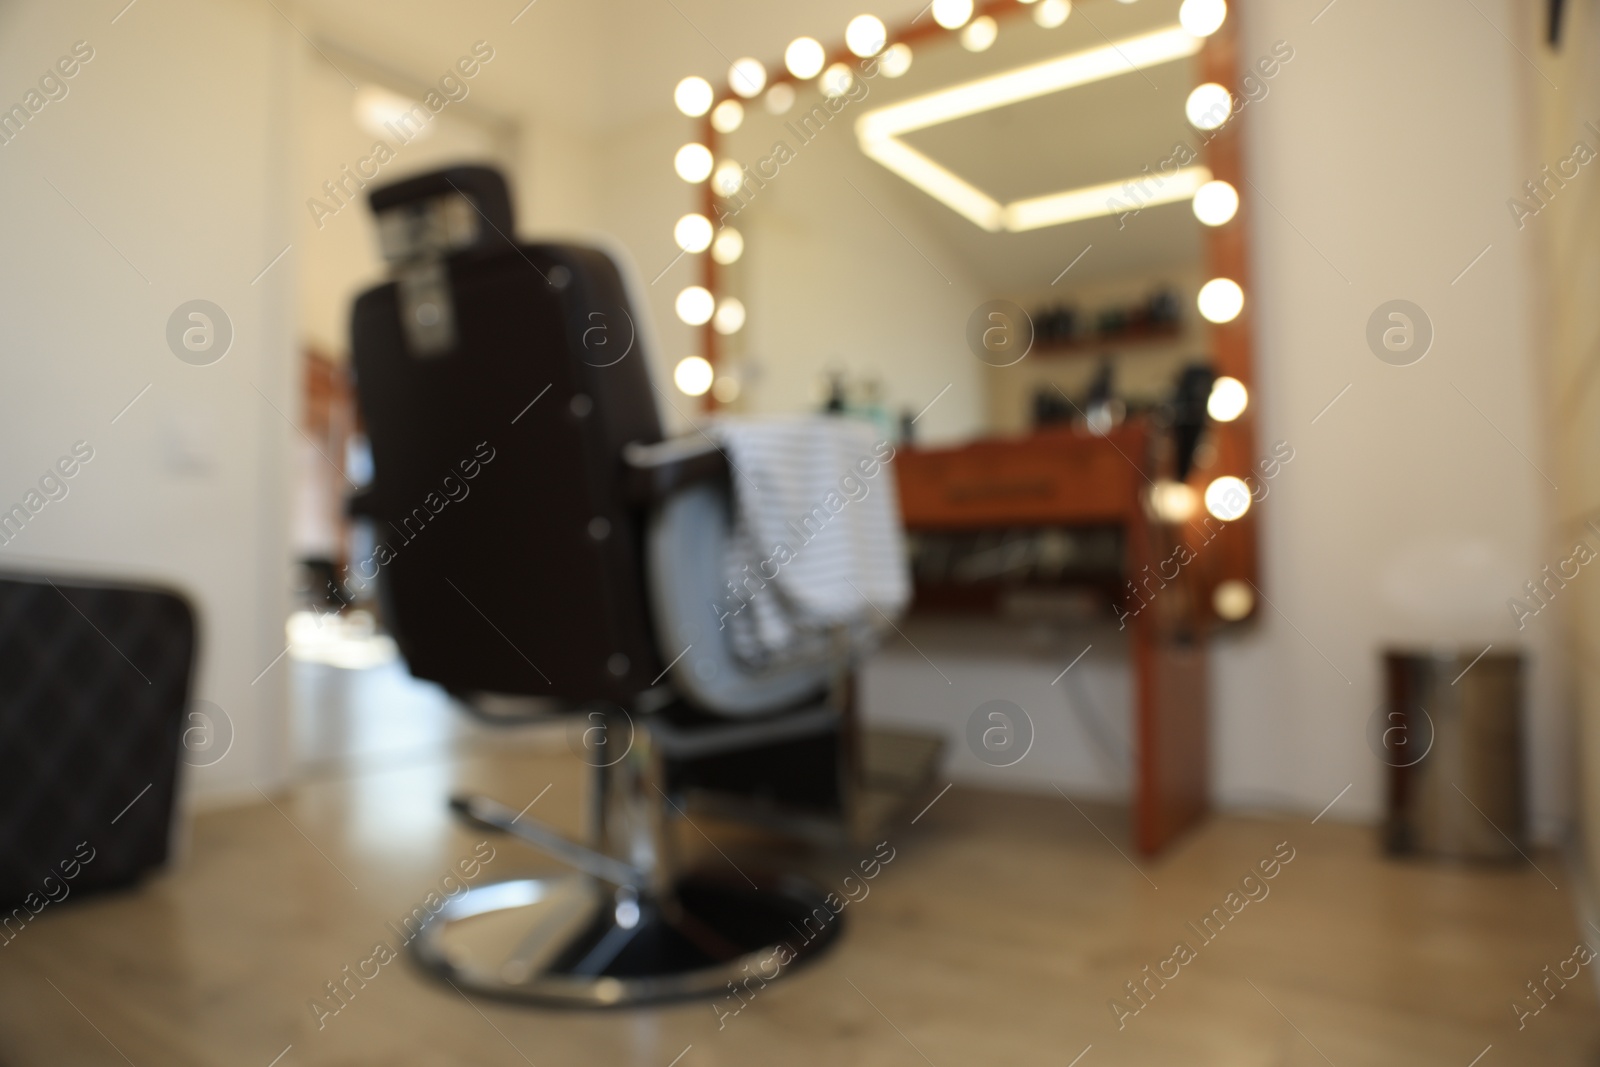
x,y
979,34
780,98
1232,600
729,318
726,389
728,246
1215,203
865,36
728,178
1209,106
694,306
1228,399
952,14
896,61
1227,498
693,375
747,77
1052,13
693,96
1221,300
693,233
804,57
1202,18
693,163
836,80
726,116
1173,502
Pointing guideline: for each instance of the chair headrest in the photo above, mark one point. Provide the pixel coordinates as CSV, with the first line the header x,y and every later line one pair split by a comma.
x,y
441,213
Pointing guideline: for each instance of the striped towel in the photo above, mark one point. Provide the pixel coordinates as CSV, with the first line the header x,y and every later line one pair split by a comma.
x,y
816,541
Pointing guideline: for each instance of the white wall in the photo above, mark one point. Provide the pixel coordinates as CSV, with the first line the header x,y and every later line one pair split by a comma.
x,y
1566,234
1390,145
557,189
171,148
1079,718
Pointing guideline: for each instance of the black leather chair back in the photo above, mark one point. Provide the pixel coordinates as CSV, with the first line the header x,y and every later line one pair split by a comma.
x,y
94,688
510,560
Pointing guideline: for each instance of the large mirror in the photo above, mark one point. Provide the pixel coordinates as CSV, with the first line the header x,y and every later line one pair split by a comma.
x,y
1010,234
897,212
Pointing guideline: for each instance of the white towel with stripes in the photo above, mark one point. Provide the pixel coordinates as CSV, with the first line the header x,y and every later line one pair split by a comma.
x,y
816,543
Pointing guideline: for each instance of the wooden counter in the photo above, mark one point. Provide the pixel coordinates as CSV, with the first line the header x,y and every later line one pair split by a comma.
x,y
1065,478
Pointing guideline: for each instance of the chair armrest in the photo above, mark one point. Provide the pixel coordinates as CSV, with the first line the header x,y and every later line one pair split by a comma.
x,y
655,472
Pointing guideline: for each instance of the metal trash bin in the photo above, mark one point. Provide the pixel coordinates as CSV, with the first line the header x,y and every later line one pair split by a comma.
x,y
1450,732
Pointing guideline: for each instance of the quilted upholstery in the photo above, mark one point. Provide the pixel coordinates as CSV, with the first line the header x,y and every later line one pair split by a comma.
x,y
94,681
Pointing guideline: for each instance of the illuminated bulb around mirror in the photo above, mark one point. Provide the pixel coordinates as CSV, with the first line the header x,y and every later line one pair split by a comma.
x,y
728,178
896,61
693,163
1232,600
780,98
694,306
728,246
1202,18
804,57
1209,106
747,77
726,389
726,116
1173,502
1228,399
729,318
865,36
1228,498
693,96
980,34
693,376
836,80
693,233
1215,203
1052,13
952,14
1221,300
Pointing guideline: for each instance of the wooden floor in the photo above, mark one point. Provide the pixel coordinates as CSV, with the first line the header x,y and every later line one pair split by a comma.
x,y
998,935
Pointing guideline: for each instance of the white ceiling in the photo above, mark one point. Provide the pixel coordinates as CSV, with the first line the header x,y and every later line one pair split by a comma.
x,y
595,65
599,66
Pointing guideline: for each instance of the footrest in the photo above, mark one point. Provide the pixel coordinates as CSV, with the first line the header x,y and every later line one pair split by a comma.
x,y
493,815
682,737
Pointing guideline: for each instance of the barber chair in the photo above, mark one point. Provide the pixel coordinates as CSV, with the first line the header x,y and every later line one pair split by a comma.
x,y
542,540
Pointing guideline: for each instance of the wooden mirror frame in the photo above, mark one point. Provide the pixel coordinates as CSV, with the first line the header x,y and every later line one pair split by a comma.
x,y
1171,790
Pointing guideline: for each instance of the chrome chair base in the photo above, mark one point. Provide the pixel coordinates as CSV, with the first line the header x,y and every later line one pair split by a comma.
x,y
578,942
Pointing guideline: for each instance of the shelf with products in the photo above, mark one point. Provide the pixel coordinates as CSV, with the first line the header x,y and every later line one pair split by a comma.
x,y
1132,340
1065,329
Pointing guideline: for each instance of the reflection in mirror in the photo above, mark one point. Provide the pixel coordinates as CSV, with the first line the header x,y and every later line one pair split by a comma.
x,y
1009,217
